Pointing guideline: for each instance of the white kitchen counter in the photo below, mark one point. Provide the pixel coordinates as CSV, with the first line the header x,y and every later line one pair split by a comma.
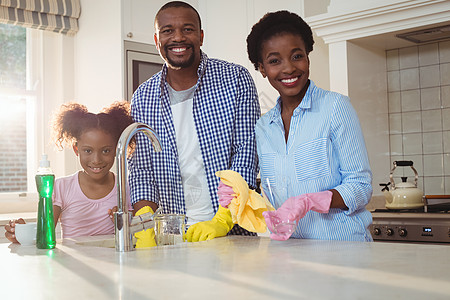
x,y
228,268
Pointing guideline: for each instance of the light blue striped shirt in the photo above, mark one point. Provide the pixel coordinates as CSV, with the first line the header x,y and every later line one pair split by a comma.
x,y
325,150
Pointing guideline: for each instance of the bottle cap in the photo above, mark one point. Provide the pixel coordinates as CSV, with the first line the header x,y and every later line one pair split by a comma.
x,y
44,163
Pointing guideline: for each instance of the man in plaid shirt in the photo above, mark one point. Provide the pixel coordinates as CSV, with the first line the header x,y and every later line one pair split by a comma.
x,y
204,112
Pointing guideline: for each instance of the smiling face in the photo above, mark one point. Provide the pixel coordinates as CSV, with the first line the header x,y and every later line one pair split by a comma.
x,y
96,150
285,63
178,37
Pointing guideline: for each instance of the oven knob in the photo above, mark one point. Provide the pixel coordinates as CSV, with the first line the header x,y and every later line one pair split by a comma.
x,y
389,232
402,232
376,231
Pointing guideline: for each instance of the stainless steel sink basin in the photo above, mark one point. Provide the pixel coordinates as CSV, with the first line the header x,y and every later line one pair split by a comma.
x,y
107,243
104,241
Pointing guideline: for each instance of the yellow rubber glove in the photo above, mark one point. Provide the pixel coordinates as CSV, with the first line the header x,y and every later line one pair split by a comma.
x,y
219,226
145,238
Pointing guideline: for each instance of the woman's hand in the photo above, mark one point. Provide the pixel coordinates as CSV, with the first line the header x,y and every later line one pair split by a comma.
x,y
10,229
226,194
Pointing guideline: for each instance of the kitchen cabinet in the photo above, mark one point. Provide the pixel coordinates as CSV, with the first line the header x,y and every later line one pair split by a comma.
x,y
225,268
138,17
141,59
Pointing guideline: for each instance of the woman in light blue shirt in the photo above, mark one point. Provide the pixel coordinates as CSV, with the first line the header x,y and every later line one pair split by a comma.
x,y
310,142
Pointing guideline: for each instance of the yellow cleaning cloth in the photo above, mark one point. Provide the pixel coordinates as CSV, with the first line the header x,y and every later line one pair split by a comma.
x,y
247,205
145,238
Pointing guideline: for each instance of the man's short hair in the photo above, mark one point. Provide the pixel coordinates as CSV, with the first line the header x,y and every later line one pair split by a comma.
x,y
178,4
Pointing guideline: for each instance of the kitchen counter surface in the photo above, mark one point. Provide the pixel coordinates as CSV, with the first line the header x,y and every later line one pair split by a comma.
x,y
227,268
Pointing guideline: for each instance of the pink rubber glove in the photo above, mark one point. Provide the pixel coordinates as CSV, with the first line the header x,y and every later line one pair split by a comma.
x,y
226,194
283,221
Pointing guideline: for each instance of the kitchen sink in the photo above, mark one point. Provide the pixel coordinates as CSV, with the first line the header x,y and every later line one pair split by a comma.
x,y
107,243
104,241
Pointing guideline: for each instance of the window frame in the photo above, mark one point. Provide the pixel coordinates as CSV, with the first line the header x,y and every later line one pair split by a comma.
x,y
35,125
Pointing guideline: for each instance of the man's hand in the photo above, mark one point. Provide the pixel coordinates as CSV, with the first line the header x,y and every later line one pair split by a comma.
x,y
219,226
142,203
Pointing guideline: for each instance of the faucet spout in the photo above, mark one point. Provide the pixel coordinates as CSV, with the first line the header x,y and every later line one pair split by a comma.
x,y
123,218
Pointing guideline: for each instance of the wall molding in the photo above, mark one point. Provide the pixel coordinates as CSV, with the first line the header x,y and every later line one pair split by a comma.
x,y
369,18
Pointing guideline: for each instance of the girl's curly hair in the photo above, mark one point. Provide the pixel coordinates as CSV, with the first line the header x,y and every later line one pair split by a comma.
x,y
73,119
275,23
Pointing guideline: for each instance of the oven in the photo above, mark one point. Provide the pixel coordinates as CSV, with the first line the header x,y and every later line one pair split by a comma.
x,y
430,224
142,61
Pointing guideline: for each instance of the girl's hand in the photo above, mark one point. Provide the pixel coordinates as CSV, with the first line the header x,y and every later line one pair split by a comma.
x,y
10,229
111,212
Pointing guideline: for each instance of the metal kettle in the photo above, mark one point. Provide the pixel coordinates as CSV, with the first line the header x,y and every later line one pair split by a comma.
x,y
404,195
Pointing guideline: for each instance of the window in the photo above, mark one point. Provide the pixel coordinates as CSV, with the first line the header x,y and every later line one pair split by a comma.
x,y
13,56
18,102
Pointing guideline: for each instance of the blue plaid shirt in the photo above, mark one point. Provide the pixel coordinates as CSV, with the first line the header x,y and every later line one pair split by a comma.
x,y
325,150
225,111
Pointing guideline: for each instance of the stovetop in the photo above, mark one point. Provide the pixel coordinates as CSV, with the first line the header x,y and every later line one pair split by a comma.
x,y
417,225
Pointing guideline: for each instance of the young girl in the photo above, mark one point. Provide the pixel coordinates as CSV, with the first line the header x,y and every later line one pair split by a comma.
x,y
313,160
83,201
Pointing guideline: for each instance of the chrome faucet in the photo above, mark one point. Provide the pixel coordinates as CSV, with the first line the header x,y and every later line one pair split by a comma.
x,y
125,224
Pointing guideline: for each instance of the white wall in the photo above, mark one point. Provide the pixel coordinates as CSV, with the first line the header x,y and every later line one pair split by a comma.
x,y
227,25
358,33
57,88
92,69
98,54
367,92
360,73
88,68
92,64
98,45
138,18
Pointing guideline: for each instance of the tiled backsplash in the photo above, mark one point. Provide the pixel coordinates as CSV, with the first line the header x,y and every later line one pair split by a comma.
x,y
419,113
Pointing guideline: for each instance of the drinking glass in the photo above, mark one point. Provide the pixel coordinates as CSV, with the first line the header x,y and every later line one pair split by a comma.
x,y
170,229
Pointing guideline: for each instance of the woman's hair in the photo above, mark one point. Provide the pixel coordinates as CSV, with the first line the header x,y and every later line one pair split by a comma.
x,y
73,119
275,23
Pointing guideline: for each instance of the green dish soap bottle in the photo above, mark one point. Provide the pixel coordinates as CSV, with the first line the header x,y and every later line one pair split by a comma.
x,y
45,235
